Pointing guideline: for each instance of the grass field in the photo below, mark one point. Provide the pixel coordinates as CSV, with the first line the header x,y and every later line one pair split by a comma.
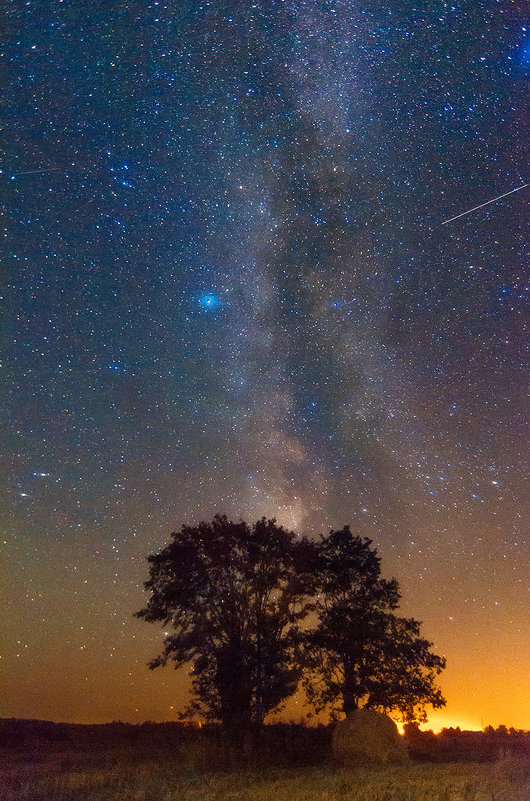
x,y
127,775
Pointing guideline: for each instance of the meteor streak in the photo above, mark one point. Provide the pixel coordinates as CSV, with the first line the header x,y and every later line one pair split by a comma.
x,y
35,172
484,204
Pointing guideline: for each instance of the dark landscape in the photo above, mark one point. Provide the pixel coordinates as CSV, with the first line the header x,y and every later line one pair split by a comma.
x,y
45,761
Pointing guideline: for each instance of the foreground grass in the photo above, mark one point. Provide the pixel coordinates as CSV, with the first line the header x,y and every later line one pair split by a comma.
x,y
127,776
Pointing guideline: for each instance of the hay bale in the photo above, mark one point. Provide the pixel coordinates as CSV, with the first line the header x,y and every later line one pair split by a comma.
x,y
366,737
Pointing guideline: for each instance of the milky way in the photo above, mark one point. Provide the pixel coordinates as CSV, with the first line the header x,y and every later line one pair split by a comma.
x,y
228,288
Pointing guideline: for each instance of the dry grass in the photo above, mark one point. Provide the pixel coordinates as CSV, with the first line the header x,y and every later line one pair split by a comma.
x,y
124,775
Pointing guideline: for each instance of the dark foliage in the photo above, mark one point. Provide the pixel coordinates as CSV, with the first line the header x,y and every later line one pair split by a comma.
x,y
234,596
456,745
361,653
208,748
238,601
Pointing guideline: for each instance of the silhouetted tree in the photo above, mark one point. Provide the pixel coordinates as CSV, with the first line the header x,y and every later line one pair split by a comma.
x,y
361,653
233,596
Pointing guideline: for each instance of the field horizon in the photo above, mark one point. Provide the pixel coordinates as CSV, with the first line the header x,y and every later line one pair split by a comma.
x,y
46,761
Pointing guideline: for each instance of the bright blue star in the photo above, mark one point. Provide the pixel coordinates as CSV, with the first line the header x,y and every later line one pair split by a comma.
x,y
209,301
118,367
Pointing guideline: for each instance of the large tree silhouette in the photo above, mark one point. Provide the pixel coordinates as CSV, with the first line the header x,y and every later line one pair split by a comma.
x,y
233,596
237,600
361,653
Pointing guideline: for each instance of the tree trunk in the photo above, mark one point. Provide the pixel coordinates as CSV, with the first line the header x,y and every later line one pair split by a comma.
x,y
350,694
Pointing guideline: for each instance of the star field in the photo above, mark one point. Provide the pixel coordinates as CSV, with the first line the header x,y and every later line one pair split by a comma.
x,y
227,288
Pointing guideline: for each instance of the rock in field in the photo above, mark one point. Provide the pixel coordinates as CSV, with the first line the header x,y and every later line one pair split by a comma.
x,y
366,737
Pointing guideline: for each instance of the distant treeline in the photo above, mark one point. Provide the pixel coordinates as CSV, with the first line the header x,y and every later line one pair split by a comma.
x,y
452,745
207,748
279,744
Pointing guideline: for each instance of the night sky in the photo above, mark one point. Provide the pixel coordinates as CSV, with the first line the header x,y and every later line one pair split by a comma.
x,y
227,288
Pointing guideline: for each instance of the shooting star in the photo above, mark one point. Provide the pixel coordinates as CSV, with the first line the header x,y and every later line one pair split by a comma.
x,y
484,204
36,172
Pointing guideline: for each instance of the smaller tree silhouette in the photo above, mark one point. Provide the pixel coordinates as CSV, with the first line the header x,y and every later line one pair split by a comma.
x,y
361,653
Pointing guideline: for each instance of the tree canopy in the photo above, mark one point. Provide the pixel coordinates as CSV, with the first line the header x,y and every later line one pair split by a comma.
x,y
361,653
234,596
255,610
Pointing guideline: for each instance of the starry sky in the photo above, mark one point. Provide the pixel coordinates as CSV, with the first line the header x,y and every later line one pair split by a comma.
x,y
226,287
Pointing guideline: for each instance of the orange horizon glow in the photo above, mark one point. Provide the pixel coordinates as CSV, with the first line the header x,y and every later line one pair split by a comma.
x,y
98,676
442,720
446,722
